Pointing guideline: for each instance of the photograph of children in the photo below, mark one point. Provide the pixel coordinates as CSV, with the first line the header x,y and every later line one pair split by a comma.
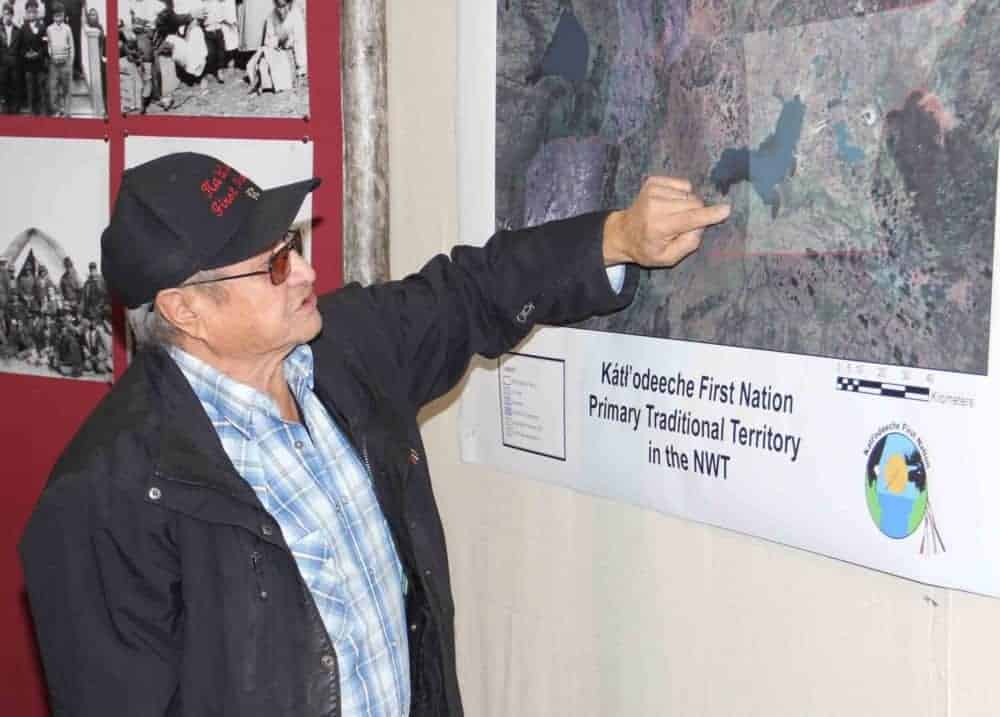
x,y
52,58
55,313
224,58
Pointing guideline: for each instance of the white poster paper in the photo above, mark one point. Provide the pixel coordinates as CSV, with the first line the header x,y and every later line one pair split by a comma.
x,y
823,373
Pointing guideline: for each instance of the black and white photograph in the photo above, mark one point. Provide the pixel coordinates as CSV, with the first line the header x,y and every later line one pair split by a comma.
x,y
221,58
55,312
53,61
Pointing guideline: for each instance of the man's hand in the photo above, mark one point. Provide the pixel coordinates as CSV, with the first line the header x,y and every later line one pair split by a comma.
x,y
662,226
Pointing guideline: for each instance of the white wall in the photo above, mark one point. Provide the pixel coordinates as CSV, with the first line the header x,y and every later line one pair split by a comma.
x,y
568,605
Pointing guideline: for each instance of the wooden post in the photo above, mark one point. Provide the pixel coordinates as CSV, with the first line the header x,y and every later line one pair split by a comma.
x,y
366,141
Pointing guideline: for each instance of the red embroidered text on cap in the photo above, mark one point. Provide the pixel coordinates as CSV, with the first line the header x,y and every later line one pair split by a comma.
x,y
224,186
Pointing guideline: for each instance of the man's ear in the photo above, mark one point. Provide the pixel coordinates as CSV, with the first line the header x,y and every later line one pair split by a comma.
x,y
182,309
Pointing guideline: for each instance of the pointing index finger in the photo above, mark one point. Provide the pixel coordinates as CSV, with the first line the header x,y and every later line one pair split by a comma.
x,y
682,185
687,221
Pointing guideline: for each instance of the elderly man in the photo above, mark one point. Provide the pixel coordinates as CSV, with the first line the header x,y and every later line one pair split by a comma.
x,y
246,525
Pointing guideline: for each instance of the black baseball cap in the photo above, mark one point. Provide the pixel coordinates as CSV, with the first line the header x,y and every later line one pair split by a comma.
x,y
187,212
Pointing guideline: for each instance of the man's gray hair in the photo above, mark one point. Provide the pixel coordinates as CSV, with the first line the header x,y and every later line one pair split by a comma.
x,y
151,328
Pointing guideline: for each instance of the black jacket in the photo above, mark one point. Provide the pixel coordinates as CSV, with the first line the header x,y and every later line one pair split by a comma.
x,y
10,52
158,583
33,44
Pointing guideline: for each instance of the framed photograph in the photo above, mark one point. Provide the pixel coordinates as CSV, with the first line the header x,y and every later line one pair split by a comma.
x,y
55,313
53,59
225,58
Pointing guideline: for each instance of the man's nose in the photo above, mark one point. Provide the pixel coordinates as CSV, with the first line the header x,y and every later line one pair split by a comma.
x,y
302,271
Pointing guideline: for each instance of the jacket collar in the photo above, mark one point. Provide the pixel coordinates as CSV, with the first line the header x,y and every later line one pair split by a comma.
x,y
239,404
341,386
189,448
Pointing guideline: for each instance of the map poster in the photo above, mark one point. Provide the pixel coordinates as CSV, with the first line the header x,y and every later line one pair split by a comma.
x,y
819,373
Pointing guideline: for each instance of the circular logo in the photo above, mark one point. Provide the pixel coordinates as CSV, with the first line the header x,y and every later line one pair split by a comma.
x,y
896,485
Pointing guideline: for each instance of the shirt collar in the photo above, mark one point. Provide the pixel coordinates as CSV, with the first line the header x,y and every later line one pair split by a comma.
x,y
299,370
241,405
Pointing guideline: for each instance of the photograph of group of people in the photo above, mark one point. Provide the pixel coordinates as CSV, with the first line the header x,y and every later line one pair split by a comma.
x,y
52,323
52,58
213,57
55,309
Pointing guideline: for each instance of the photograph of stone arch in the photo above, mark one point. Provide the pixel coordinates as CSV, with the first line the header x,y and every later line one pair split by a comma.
x,y
55,311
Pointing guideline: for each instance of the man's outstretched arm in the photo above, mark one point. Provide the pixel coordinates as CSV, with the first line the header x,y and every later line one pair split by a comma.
x,y
486,299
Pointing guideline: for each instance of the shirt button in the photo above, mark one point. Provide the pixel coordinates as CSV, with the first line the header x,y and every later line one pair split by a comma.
x,y
427,572
155,493
328,662
263,595
298,445
266,529
413,627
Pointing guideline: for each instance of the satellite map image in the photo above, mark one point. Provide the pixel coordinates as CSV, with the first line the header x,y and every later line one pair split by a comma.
x,y
857,141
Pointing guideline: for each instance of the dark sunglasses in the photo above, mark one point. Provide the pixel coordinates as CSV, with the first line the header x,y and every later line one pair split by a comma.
x,y
279,265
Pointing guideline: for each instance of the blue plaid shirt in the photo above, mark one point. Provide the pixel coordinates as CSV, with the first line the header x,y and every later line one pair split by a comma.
x,y
313,484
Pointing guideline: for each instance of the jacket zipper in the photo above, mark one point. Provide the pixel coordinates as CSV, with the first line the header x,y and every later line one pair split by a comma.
x,y
255,562
250,674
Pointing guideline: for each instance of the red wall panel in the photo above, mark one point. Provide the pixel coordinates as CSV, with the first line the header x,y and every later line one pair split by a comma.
x,y
40,415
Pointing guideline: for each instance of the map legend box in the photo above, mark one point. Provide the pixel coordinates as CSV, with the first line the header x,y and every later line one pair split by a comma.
x,y
533,404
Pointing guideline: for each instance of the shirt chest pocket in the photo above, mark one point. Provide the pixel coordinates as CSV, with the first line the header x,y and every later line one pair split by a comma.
x,y
324,574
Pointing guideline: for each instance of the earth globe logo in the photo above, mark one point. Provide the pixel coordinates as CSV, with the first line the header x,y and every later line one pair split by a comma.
x,y
896,485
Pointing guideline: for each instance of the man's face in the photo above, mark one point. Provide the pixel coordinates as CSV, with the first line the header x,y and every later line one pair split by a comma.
x,y
31,14
93,19
258,319
58,18
8,16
